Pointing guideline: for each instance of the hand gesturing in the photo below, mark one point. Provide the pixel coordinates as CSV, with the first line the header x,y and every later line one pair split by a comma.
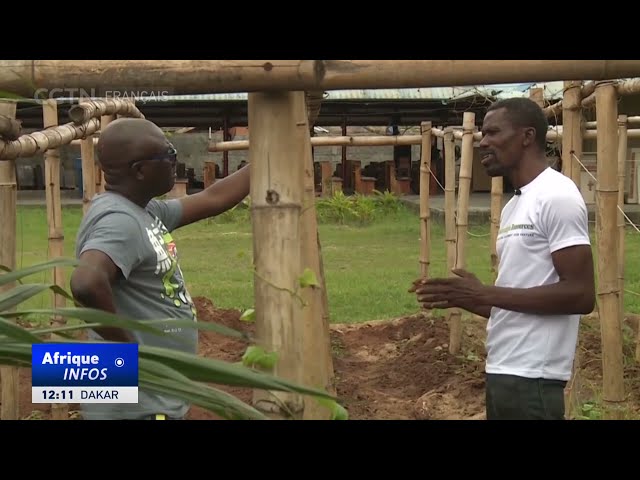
x,y
464,290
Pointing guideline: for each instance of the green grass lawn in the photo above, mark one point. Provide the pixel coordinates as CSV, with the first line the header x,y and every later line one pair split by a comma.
x,y
368,267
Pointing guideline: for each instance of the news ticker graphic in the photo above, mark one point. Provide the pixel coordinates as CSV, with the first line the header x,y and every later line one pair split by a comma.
x,y
84,373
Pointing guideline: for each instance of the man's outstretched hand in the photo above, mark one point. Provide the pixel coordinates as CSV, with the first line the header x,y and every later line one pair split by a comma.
x,y
464,290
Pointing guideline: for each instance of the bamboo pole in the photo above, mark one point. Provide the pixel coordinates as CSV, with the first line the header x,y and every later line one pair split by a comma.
x,y
59,411
572,130
607,236
316,350
554,133
425,211
88,109
634,120
9,128
31,143
360,141
314,101
497,186
79,141
87,154
276,206
464,188
454,316
99,77
555,110
623,87
9,376
632,133
622,167
104,121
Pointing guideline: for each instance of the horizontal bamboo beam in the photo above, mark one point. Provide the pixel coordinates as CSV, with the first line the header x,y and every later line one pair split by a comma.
x,y
83,112
158,77
625,87
79,141
588,88
360,141
630,121
9,128
590,134
383,140
54,137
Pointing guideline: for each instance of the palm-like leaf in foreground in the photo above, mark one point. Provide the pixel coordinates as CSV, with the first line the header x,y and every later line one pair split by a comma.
x,y
161,370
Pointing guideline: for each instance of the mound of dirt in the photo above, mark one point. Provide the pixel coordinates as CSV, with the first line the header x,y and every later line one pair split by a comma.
x,y
395,369
384,370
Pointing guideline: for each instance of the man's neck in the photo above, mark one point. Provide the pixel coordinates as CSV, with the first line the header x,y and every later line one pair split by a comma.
x,y
138,199
527,171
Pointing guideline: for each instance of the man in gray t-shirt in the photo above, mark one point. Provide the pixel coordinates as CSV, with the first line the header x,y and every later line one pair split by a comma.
x,y
131,265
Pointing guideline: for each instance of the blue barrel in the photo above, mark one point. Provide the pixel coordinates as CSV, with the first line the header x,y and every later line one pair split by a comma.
x,y
77,167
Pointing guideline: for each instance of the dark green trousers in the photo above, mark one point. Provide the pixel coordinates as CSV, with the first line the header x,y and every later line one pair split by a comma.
x,y
510,397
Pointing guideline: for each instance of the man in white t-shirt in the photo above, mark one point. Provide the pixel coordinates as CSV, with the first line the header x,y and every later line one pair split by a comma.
x,y
545,279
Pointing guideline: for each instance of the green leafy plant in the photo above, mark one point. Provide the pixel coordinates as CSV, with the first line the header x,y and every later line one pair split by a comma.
x,y
185,376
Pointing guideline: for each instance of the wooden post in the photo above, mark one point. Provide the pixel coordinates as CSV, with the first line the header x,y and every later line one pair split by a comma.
x,y
59,411
104,121
607,243
209,173
87,152
425,211
450,212
276,206
622,166
497,188
572,130
9,376
464,188
326,170
316,348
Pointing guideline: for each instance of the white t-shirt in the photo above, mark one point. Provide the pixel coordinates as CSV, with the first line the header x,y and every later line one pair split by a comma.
x,y
548,215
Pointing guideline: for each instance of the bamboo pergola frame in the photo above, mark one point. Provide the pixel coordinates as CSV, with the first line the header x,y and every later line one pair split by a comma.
x,y
277,103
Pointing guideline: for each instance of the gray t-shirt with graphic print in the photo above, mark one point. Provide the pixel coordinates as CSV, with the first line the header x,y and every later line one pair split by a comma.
x,y
138,240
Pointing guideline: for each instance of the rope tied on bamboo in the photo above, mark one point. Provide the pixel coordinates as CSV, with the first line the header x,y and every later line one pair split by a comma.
x,y
596,180
575,85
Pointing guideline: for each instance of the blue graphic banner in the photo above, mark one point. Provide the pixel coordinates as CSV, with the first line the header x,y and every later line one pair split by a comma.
x,y
84,365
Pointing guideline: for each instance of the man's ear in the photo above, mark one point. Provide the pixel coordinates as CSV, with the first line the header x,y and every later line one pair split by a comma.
x,y
137,167
529,136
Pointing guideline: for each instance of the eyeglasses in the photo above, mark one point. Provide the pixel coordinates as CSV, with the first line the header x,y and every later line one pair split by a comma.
x,y
171,154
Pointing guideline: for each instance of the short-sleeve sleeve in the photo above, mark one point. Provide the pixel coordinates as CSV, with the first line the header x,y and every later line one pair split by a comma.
x,y
119,236
565,220
168,211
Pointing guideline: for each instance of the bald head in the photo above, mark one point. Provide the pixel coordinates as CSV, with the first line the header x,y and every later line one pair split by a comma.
x,y
126,140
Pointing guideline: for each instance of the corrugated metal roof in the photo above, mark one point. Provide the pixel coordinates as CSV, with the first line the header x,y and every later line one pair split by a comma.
x,y
441,93
553,90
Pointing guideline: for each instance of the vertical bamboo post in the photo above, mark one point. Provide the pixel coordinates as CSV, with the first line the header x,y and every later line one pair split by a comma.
x,y
104,121
9,376
425,211
607,242
87,152
622,165
497,188
572,130
462,223
316,350
450,209
276,205
54,222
